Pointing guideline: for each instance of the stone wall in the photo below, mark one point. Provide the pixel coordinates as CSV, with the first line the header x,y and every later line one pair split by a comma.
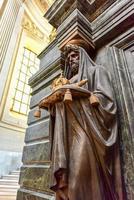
x,y
36,160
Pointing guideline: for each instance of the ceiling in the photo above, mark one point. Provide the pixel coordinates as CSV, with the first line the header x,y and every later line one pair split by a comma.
x,y
43,5
35,10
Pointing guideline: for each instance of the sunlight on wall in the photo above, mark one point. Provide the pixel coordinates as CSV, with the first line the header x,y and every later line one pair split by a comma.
x,y
34,36
34,45
27,64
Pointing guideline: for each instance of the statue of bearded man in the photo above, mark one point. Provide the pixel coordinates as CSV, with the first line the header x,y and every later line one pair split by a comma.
x,y
84,150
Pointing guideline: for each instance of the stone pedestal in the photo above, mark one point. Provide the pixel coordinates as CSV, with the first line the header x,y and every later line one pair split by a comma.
x,y
107,27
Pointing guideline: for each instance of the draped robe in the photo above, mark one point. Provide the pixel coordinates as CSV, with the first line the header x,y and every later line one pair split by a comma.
x,y
84,153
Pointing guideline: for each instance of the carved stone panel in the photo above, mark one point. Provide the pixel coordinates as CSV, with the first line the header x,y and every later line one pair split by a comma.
x,y
123,74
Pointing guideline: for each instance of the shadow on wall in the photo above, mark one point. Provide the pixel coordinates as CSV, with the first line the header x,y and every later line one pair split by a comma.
x,y
9,161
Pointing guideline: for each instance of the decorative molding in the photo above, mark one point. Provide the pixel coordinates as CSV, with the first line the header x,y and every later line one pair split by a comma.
x,y
29,26
124,41
42,5
91,1
52,35
61,9
100,30
113,18
76,25
119,52
46,2
43,74
34,13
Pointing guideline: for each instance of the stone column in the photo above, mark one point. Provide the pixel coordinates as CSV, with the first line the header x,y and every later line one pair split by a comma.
x,y
10,27
7,24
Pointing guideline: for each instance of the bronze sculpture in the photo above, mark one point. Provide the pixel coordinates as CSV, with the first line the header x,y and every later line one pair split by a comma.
x,y
84,154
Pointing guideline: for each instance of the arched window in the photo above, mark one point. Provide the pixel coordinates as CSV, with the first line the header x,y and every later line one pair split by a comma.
x,y
29,65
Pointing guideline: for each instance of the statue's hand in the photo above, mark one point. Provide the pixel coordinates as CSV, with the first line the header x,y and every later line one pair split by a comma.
x,y
94,100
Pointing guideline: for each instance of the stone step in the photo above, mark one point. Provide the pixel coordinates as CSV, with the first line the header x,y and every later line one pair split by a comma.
x,y
8,193
15,173
8,187
10,177
11,190
8,182
8,196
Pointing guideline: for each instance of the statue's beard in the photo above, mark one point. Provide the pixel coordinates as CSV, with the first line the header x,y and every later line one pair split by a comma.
x,y
74,68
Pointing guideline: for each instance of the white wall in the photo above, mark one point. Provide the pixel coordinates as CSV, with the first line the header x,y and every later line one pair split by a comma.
x,y
13,38
9,161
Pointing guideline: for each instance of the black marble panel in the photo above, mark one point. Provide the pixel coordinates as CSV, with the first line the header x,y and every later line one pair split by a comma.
x,y
50,57
36,153
30,195
38,96
32,119
35,178
37,131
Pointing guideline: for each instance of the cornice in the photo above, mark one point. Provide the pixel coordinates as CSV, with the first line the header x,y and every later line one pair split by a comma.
x,y
113,21
75,16
44,73
36,17
76,25
48,48
112,17
61,9
32,29
124,41
55,8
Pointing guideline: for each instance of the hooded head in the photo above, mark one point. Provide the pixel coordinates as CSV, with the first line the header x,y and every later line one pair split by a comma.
x,y
77,61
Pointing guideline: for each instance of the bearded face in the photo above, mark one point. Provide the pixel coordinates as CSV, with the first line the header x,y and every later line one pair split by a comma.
x,y
73,62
